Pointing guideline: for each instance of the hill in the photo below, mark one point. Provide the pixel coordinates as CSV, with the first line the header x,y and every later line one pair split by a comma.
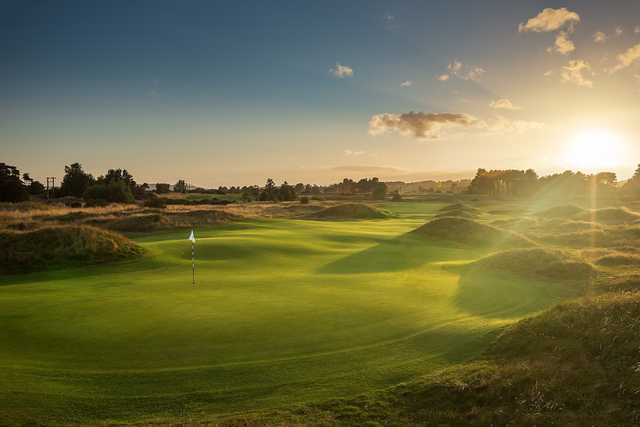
x,y
61,245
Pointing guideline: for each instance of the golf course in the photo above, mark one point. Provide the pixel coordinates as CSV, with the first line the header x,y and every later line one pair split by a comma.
x,y
284,312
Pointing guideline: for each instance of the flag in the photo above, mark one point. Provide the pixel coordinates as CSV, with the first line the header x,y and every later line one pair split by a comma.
x,y
192,237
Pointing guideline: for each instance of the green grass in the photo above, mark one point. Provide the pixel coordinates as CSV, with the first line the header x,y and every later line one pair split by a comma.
x,y
284,312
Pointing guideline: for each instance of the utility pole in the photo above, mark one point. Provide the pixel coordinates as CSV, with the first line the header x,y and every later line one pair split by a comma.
x,y
52,180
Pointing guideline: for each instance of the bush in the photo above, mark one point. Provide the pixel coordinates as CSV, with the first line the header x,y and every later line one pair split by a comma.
x,y
112,192
396,197
304,200
153,201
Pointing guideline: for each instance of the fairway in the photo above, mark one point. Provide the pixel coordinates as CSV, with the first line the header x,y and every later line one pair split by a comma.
x,y
284,312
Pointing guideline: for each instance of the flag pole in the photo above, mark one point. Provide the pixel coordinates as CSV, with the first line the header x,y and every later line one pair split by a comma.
x,y
193,258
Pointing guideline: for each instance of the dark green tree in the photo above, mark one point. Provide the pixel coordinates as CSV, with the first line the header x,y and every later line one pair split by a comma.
x,y
12,189
75,181
180,186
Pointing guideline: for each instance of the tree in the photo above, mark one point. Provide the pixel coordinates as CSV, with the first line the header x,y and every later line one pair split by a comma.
x,y
12,189
632,186
75,181
115,191
36,188
379,191
286,192
162,188
269,191
180,186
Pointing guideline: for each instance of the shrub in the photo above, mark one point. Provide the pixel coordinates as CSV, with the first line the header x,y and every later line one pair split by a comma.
x,y
113,192
304,200
153,201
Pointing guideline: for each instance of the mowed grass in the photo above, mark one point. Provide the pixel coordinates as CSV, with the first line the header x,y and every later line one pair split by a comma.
x,y
284,312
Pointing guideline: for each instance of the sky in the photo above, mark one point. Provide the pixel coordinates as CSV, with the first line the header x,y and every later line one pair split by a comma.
x,y
230,93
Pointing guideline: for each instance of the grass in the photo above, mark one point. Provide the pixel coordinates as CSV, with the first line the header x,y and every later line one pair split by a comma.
x,y
286,312
55,246
349,211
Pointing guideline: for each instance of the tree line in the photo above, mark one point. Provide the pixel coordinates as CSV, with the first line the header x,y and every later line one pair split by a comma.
x,y
119,186
527,183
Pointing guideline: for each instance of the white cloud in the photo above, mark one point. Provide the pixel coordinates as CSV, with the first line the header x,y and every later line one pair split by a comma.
x,y
352,153
563,45
423,126
548,73
599,37
550,20
474,74
503,104
406,83
418,124
576,72
619,31
636,29
455,66
502,125
627,58
341,71
458,69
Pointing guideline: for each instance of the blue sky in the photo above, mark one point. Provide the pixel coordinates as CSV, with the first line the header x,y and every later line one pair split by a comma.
x,y
233,92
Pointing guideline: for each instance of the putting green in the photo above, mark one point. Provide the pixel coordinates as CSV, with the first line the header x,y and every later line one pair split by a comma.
x,y
284,312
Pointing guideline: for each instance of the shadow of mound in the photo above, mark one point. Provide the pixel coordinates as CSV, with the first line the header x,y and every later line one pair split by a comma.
x,y
402,253
242,249
348,211
520,282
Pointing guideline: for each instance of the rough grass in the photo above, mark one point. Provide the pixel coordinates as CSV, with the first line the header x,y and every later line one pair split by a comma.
x,y
469,232
619,260
613,215
348,211
61,245
565,211
600,237
534,262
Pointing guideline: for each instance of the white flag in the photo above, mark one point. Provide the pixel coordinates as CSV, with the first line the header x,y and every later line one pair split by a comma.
x,y
192,237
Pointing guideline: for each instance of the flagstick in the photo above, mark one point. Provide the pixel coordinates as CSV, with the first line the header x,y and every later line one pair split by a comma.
x,y
193,262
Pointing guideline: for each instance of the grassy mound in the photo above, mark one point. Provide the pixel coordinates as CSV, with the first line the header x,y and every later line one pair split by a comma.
x,y
349,211
147,222
534,262
133,223
515,223
611,216
61,245
566,211
567,226
618,260
200,217
469,232
608,238
455,207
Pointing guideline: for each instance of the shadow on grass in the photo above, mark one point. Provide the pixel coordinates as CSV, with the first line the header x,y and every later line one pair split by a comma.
x,y
402,253
505,296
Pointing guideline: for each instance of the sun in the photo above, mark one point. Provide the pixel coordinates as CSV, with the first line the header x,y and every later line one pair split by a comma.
x,y
595,150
